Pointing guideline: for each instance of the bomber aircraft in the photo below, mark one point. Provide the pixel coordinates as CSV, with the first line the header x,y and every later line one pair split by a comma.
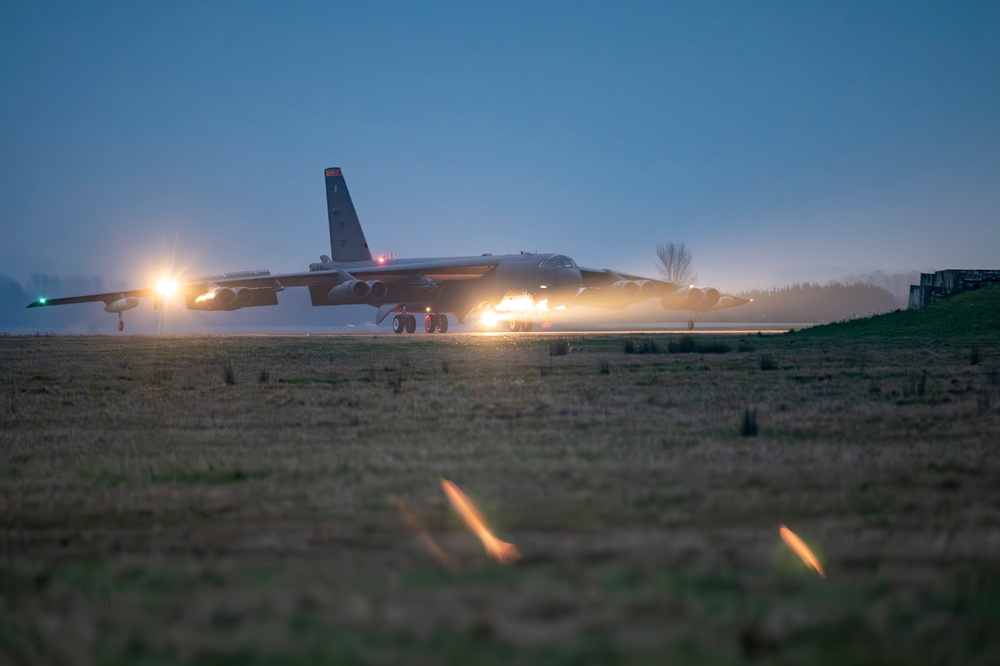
x,y
509,290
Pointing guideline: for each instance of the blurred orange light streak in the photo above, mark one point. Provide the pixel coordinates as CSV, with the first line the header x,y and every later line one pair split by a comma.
x,y
801,549
501,551
447,560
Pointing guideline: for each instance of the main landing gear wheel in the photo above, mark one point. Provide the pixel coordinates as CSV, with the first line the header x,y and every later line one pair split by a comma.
x,y
690,324
520,325
121,324
514,325
436,322
404,322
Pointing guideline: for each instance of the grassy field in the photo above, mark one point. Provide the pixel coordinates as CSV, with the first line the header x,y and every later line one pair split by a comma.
x,y
152,512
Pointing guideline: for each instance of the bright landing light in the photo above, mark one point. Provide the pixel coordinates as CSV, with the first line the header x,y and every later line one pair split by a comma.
x,y
489,319
166,287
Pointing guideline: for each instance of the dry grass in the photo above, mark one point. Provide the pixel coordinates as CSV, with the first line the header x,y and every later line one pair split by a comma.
x,y
150,511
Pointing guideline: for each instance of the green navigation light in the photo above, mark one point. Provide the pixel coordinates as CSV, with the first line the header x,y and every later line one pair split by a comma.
x,y
41,301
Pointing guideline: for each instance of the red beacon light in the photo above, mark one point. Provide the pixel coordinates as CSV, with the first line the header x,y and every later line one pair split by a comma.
x,y
381,260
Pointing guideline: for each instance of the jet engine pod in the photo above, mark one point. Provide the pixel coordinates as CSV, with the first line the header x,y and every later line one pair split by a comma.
x,y
220,298
378,289
687,298
710,300
647,288
351,291
121,304
224,297
244,297
626,288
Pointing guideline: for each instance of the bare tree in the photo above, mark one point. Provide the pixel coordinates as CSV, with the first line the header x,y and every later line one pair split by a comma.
x,y
674,263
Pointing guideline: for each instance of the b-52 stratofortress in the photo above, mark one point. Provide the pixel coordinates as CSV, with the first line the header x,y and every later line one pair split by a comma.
x,y
509,291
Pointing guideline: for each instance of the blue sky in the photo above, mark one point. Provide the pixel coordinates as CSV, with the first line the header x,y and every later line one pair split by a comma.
x,y
780,141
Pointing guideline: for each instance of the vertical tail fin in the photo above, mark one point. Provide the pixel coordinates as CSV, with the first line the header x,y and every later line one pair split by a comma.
x,y
347,240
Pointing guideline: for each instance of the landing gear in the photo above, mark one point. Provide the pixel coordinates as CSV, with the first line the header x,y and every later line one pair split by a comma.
x,y
404,322
690,324
520,325
436,322
121,323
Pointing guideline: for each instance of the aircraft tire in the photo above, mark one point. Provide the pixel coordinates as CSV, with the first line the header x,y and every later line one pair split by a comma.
x,y
397,324
528,325
442,322
514,325
121,325
411,323
430,323
690,324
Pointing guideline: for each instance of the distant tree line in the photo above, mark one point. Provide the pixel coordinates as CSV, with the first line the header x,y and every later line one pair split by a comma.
x,y
809,302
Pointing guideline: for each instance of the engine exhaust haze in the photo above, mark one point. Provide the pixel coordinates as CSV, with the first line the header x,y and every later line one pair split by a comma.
x,y
801,549
501,551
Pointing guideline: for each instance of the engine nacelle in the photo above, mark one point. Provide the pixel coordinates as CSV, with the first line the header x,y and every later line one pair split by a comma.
x,y
220,298
710,300
351,291
687,298
378,290
243,298
226,298
122,304
647,289
625,288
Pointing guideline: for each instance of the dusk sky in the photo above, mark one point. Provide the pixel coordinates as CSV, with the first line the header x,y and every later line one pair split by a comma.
x,y
781,141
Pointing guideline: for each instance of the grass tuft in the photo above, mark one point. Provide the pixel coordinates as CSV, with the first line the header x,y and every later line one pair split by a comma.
x,y
227,372
604,368
974,356
559,347
263,377
915,385
767,362
644,346
748,428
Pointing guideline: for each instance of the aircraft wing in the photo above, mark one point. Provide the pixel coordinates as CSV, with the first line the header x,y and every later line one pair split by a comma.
x,y
373,283
92,298
433,269
612,289
592,277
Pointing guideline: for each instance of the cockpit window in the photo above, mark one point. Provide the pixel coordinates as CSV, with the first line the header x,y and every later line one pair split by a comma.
x,y
557,261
